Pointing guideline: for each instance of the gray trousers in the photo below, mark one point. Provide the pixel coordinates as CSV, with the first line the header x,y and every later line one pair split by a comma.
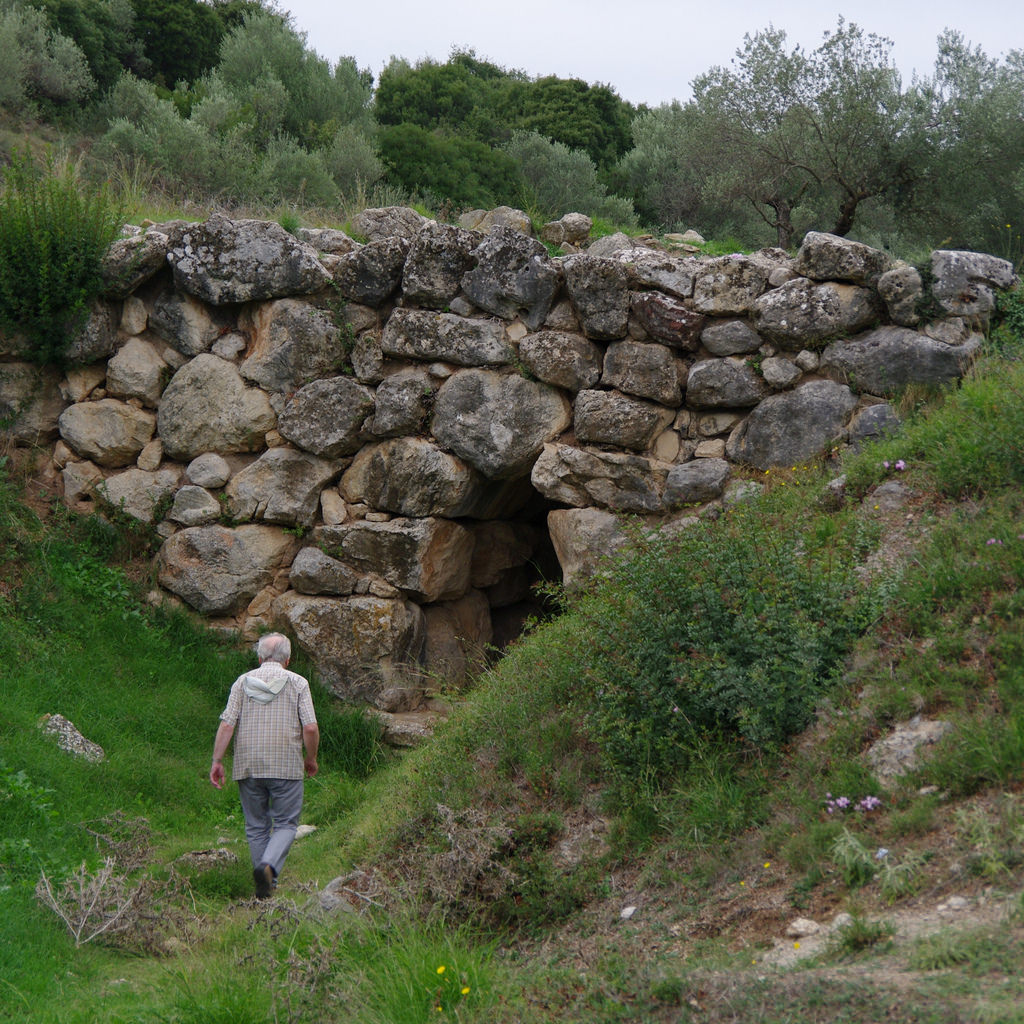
x,y
271,808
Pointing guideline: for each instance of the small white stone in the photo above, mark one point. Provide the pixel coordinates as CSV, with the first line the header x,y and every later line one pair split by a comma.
x,y
801,927
627,912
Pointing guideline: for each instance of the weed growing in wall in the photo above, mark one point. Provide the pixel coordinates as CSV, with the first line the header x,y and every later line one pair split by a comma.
x,y
54,233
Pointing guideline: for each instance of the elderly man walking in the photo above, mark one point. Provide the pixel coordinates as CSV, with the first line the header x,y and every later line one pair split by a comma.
x,y
273,712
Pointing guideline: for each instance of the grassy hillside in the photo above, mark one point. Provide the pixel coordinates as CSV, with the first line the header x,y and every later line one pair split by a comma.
x,y
685,739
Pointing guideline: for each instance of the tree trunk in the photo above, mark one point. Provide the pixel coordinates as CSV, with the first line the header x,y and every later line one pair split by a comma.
x,y
783,223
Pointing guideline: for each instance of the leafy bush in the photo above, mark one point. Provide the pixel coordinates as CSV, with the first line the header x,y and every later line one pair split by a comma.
x,y
733,629
54,232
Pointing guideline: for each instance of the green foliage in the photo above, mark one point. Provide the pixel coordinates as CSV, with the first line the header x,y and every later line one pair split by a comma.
x,y
442,168
54,233
860,934
856,863
734,631
41,69
563,180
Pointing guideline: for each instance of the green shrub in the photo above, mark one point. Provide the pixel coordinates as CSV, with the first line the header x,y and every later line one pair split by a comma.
x,y
732,630
54,233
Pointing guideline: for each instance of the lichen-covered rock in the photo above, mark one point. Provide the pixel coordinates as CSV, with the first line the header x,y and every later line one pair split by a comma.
x,y
501,217
730,338
383,222
194,506
226,261
315,572
185,323
513,277
696,482
802,314
208,470
668,320
729,383
788,428
97,338
886,360
429,559
437,261
498,422
610,417
422,334
728,286
281,486
599,290
613,480
565,360
572,229
965,282
648,268
645,370
373,272
402,403
327,417
108,432
132,261
139,493
208,408
826,257
217,570
292,344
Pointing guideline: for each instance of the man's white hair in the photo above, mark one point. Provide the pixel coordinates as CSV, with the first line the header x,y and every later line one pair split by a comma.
x,y
274,647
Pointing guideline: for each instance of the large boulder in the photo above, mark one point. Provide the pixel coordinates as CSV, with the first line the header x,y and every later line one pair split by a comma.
x,y
382,222
429,559
886,360
186,324
613,480
138,493
327,417
788,428
802,314
583,538
208,408
826,257
315,572
137,371
281,486
696,482
965,283
729,383
97,337
728,286
610,417
668,320
130,262
565,360
411,476
30,403
402,403
901,289
437,261
498,422
227,261
649,268
421,334
360,645
599,290
217,570
513,277
501,217
292,344
646,370
372,273
109,432
730,338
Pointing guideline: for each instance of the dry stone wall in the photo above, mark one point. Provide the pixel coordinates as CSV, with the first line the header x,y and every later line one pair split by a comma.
x,y
377,446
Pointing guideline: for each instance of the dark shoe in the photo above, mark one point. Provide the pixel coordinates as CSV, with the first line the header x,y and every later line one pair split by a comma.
x,y
263,876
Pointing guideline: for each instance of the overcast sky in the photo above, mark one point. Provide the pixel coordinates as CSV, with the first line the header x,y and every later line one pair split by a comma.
x,y
647,50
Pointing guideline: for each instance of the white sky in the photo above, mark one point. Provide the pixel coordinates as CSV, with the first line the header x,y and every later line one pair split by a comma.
x,y
647,50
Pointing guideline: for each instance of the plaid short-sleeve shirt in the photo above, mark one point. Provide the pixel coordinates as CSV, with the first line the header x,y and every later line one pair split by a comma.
x,y
268,737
